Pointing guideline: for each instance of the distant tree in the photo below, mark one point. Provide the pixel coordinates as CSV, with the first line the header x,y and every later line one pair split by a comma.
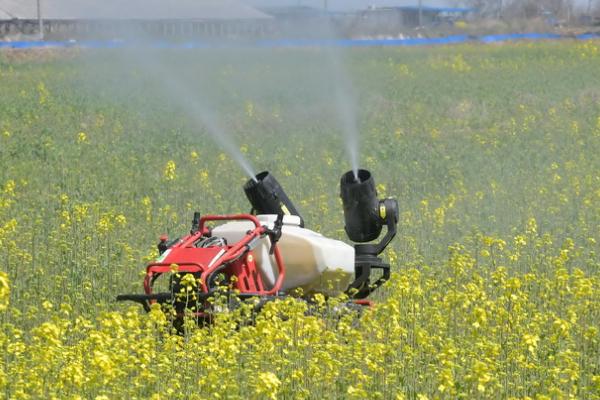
x,y
520,8
525,8
562,9
484,7
531,9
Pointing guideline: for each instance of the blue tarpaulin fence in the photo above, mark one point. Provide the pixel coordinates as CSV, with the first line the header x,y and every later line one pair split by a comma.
x,y
276,43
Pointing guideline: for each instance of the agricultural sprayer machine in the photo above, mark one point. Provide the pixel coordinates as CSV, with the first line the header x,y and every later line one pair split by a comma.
x,y
269,254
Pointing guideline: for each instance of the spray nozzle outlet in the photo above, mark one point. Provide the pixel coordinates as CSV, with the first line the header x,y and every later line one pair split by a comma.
x,y
364,214
267,196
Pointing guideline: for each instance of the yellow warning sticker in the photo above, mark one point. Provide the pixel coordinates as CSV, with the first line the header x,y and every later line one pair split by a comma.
x,y
382,211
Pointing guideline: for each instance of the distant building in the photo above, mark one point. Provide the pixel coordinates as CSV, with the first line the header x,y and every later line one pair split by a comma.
x,y
396,18
113,19
302,21
309,22
206,20
432,15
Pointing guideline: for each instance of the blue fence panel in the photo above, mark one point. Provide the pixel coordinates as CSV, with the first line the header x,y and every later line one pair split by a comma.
x,y
588,36
519,36
282,43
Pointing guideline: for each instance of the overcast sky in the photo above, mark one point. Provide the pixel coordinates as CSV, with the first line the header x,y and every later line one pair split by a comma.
x,y
362,4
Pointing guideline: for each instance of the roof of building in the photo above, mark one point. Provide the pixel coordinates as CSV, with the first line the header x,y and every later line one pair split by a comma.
x,y
295,10
449,10
130,10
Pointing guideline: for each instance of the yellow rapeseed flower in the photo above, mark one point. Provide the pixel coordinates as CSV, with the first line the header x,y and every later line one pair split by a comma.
x,y
267,385
4,291
169,171
81,137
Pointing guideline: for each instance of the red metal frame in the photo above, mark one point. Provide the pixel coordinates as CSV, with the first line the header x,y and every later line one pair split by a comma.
x,y
235,256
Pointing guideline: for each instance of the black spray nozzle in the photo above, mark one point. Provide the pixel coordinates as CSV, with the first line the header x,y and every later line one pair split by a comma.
x,y
267,196
195,223
364,214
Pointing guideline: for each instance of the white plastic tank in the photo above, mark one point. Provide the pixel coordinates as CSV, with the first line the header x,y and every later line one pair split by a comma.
x,y
313,262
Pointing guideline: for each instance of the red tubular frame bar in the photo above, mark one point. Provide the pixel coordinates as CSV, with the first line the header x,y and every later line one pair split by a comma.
x,y
236,251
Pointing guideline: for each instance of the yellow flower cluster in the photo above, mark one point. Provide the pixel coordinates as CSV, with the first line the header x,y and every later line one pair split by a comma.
x,y
82,137
472,334
4,291
169,171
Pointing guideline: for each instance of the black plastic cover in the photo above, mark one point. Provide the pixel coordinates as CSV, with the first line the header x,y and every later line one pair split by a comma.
x,y
267,196
361,206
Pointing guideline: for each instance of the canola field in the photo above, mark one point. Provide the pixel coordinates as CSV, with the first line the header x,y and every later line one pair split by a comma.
x,y
491,151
